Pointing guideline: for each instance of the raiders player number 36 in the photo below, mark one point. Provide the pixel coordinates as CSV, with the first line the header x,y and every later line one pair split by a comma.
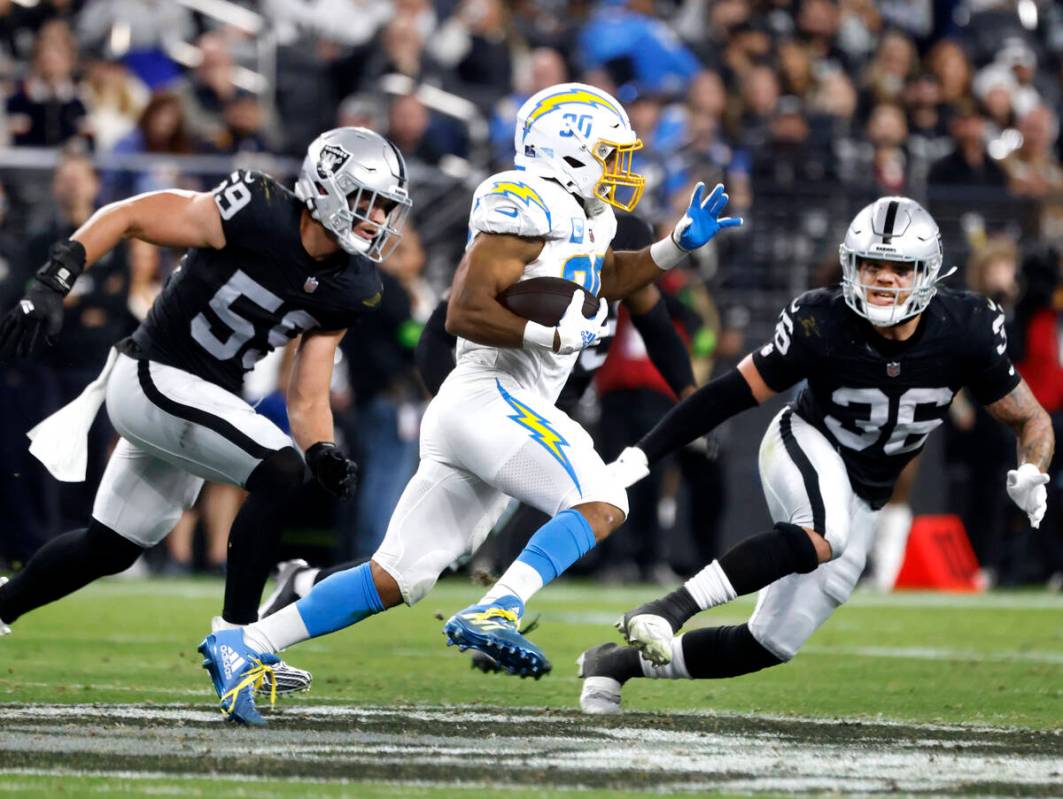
x,y
883,357
263,266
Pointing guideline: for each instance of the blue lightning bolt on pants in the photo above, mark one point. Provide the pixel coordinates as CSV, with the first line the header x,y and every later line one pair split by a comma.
x,y
485,440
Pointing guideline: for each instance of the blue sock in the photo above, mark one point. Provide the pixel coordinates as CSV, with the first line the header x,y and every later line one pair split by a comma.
x,y
558,544
338,601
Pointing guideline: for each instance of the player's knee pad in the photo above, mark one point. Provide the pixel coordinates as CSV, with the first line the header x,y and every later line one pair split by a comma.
x,y
414,575
109,552
837,536
603,491
801,552
279,474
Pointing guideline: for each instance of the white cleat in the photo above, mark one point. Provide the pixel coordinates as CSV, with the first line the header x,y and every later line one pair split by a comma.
x,y
651,635
600,696
4,629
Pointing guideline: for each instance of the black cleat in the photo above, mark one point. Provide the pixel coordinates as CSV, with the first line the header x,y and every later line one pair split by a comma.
x,y
284,594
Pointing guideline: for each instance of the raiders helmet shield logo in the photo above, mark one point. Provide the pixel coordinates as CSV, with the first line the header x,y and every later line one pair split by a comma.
x,y
310,286
332,158
893,368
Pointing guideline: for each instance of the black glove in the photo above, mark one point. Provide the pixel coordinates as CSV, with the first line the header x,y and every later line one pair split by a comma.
x,y
41,310
334,470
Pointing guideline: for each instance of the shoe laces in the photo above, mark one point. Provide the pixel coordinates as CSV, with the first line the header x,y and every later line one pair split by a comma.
x,y
498,613
253,677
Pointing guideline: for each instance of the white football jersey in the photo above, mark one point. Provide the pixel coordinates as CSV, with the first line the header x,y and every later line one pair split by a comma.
x,y
520,204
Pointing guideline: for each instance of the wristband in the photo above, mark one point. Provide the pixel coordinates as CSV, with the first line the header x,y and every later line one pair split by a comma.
x,y
66,261
666,253
536,335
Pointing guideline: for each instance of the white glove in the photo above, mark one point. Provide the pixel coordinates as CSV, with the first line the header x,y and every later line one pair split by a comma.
x,y
575,331
630,467
1026,487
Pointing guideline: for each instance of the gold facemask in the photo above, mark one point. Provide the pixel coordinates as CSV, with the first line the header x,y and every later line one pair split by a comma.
x,y
618,186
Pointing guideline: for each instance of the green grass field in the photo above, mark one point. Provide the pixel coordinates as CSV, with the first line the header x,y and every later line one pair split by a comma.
x,y
961,694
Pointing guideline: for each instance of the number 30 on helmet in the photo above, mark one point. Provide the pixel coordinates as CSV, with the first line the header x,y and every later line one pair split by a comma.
x,y
581,137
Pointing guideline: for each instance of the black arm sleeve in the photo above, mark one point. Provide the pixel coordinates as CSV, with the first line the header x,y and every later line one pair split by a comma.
x,y
713,403
664,346
435,350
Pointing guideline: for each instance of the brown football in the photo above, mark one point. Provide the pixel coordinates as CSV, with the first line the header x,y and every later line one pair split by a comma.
x,y
545,299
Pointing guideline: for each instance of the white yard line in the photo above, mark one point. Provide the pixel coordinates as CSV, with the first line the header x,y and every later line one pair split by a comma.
x,y
458,714
929,653
720,759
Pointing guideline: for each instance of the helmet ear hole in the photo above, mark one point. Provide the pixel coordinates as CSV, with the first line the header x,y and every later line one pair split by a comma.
x,y
574,162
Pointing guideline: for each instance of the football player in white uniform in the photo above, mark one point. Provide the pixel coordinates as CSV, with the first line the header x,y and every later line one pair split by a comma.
x,y
493,431
883,357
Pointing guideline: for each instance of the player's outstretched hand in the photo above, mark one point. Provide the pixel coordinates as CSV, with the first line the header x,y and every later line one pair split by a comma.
x,y
575,331
1026,487
702,220
630,467
334,470
36,319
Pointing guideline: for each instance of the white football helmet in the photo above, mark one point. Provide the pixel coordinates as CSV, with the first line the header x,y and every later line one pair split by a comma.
x,y
581,137
346,175
892,229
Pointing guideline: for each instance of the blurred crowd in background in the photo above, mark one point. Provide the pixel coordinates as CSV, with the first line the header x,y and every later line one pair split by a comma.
x,y
805,109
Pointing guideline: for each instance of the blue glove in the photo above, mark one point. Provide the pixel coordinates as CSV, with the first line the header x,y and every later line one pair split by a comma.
x,y
702,220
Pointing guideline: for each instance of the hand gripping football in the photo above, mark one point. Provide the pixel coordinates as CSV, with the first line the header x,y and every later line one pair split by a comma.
x,y
544,299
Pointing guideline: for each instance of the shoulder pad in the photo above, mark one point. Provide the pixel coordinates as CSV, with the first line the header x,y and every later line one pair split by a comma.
x,y
807,318
815,298
515,203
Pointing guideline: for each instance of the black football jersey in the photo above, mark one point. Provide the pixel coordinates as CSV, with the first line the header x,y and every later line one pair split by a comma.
x,y
587,364
876,400
223,310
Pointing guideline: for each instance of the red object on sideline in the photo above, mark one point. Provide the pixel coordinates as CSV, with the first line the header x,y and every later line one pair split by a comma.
x,y
1042,366
939,556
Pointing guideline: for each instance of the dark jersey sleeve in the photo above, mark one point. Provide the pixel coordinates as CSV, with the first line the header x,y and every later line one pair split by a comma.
x,y
250,204
435,350
991,374
787,359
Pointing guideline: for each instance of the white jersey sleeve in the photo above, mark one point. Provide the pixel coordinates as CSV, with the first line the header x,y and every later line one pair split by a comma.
x,y
513,203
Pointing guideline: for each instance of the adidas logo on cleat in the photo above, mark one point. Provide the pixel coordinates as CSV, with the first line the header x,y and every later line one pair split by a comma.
x,y
231,661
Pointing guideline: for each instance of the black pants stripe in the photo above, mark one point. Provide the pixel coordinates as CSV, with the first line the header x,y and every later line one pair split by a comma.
x,y
808,474
199,416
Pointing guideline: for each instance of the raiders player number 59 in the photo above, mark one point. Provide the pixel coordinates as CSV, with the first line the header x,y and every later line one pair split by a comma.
x,y
263,266
883,357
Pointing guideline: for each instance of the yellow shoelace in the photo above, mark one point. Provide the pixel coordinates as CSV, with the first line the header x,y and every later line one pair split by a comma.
x,y
253,677
491,613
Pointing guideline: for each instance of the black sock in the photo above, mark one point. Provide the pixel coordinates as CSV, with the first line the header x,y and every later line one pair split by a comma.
x,y
676,608
256,533
339,567
766,557
625,664
65,564
714,652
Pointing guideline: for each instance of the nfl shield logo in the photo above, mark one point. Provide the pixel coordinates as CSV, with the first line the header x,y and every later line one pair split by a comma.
x,y
893,368
310,286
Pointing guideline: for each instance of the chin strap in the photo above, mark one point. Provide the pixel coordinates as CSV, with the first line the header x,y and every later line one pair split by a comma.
x,y
940,278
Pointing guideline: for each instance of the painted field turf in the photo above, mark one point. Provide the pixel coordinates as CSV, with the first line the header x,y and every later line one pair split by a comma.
x,y
102,694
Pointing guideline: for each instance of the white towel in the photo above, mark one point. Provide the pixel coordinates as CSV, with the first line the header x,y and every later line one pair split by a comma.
x,y
61,442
